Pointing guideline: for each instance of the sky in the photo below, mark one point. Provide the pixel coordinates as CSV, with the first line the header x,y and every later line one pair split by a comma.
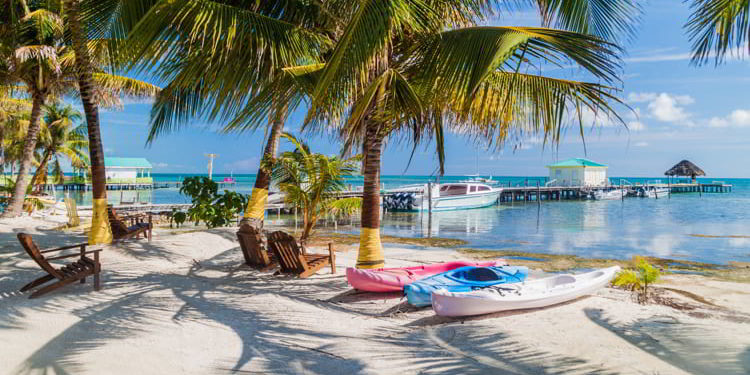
x,y
678,112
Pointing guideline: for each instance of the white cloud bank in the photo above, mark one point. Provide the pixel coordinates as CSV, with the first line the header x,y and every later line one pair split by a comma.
x,y
665,107
738,118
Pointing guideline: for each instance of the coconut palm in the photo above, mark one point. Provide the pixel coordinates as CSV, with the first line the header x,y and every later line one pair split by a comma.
x,y
249,43
61,138
14,116
310,182
716,27
36,61
412,68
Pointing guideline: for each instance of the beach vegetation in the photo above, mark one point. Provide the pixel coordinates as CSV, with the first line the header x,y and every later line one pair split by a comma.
x,y
60,138
310,182
638,278
213,208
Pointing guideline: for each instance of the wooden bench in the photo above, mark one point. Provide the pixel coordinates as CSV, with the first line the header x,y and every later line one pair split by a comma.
x,y
72,272
124,227
294,259
254,248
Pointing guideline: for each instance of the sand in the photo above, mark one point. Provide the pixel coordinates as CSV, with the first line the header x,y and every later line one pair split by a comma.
x,y
184,303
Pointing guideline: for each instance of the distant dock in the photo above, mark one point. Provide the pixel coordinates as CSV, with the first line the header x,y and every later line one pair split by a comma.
x,y
534,193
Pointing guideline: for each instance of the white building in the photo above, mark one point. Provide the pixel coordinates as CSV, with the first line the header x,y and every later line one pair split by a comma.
x,y
126,170
578,172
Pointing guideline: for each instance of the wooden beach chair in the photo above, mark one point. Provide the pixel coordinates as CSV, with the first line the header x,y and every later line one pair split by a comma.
x,y
124,227
294,259
254,248
72,208
78,270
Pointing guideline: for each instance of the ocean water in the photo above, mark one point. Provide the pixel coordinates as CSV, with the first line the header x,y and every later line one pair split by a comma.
x,y
712,227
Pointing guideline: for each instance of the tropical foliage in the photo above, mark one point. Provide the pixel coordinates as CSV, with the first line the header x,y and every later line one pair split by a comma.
x,y
37,63
716,27
61,138
214,209
638,278
310,182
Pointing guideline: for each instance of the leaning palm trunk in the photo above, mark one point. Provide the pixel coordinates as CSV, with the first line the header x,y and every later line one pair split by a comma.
x,y
370,254
40,176
19,193
256,206
101,232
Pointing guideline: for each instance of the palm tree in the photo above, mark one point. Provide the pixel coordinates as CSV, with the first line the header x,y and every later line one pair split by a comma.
x,y
249,43
61,138
14,116
36,59
410,68
717,26
310,182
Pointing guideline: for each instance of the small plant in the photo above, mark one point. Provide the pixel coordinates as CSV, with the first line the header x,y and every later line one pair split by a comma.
x,y
213,208
638,279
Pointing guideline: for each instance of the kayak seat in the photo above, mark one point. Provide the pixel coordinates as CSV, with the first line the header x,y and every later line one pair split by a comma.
x,y
481,274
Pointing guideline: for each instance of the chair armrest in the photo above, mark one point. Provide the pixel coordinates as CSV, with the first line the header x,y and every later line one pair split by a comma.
x,y
78,255
64,248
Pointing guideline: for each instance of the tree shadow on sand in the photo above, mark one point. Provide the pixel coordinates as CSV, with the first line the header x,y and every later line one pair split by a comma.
x,y
135,302
693,348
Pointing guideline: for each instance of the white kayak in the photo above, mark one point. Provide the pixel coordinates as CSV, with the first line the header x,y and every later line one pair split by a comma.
x,y
526,295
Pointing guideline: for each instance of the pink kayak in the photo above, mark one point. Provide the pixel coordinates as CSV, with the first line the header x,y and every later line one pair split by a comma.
x,y
394,279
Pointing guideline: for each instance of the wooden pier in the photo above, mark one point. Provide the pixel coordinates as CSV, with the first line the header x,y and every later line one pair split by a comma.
x,y
534,193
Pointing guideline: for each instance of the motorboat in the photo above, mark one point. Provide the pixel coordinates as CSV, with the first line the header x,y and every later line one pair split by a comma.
x,y
653,192
442,197
610,195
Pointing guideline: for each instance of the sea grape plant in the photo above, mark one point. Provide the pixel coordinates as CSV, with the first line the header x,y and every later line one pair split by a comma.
x,y
213,208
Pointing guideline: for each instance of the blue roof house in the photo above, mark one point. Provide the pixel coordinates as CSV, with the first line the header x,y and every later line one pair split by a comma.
x,y
578,172
127,170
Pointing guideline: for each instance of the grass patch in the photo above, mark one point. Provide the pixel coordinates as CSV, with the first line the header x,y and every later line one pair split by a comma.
x,y
713,236
347,239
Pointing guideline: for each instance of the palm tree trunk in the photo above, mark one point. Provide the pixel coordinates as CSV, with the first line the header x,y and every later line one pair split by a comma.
x,y
256,206
40,176
370,252
101,232
19,193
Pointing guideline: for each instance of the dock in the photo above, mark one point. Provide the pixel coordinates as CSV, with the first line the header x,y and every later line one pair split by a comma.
x,y
534,193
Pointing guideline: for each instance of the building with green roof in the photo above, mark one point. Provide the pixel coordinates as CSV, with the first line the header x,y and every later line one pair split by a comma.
x,y
578,172
127,170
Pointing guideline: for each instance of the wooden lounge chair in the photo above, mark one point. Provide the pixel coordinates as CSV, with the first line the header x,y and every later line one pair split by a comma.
x,y
294,259
124,227
254,248
78,270
72,208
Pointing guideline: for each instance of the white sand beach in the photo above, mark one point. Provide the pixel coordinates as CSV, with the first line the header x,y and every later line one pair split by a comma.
x,y
184,303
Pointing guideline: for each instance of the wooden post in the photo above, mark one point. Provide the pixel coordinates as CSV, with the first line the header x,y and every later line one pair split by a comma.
x,y
538,193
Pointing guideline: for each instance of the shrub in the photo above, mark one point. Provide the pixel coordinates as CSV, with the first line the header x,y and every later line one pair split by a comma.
x,y
638,279
213,208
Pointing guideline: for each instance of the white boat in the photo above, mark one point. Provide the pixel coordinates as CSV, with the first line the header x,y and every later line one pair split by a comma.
x,y
653,192
526,295
609,195
444,197
475,178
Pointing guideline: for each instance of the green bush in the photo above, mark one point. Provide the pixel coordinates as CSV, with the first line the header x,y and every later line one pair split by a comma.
x,y
209,206
638,279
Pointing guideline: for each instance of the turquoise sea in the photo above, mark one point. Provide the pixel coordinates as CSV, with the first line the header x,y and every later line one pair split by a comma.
x,y
711,227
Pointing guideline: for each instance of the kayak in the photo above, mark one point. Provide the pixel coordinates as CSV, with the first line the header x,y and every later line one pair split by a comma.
x,y
394,279
464,279
526,295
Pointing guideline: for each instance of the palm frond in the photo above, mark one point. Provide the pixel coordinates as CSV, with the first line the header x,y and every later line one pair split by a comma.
x,y
717,26
607,19
125,86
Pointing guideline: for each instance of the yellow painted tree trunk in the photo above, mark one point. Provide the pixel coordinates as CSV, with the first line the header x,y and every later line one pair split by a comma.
x,y
370,253
100,233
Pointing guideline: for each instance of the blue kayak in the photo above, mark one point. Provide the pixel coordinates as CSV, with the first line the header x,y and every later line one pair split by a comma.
x,y
464,279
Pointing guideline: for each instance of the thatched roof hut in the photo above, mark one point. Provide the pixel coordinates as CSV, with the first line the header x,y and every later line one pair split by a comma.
x,y
685,168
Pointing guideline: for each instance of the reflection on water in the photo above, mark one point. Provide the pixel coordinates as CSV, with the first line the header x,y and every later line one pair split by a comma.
x,y
608,229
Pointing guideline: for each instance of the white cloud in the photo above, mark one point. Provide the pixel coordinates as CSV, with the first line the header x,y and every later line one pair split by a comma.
x,y
636,126
738,118
109,151
641,144
665,107
160,165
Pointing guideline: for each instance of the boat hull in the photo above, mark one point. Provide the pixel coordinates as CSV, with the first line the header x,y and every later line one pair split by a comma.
x,y
463,279
394,279
527,295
